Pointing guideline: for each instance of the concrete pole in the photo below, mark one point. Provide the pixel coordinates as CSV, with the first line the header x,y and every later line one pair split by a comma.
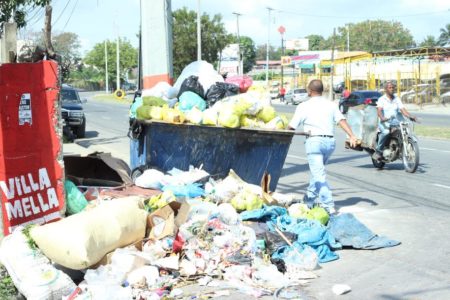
x,y
240,71
348,37
268,43
156,42
106,69
117,62
199,33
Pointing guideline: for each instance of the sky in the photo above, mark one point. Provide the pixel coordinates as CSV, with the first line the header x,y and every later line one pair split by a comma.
x,y
96,20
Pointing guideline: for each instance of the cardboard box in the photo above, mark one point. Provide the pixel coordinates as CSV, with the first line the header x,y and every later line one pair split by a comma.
x,y
166,220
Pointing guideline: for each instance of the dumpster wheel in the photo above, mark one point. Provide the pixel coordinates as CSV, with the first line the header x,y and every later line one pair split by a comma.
x,y
119,94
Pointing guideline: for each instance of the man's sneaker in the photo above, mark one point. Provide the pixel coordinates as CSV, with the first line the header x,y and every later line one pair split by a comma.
x,y
377,156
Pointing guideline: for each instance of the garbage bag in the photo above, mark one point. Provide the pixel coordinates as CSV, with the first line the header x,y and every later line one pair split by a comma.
x,y
274,241
75,199
189,100
242,81
191,84
220,90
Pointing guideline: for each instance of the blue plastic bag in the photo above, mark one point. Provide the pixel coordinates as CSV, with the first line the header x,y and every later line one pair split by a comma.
x,y
192,190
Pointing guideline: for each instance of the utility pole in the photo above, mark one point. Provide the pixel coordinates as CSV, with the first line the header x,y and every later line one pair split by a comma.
x,y
106,69
348,37
240,71
117,62
199,35
269,9
332,64
282,30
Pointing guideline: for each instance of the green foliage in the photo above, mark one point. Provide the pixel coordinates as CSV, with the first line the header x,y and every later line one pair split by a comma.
x,y
318,42
7,287
214,38
26,231
444,37
16,9
248,52
261,51
429,41
128,58
372,36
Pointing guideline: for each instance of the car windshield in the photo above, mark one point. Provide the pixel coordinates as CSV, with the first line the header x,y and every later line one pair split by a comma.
x,y
69,95
299,91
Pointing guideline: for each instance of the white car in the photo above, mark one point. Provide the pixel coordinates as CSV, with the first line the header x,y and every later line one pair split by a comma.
x,y
296,96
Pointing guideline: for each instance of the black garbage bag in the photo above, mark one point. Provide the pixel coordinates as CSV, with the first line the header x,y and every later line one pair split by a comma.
x,y
274,241
193,85
220,90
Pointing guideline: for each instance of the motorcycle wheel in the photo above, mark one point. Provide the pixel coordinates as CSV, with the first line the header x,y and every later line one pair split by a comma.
x,y
411,156
378,164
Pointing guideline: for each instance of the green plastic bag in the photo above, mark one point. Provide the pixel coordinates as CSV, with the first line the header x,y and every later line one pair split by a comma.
x,y
75,200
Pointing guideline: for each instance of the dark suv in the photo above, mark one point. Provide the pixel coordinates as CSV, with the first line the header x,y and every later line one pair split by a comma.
x,y
72,110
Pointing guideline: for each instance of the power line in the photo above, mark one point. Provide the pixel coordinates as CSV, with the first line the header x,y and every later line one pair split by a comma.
x,y
59,17
71,13
356,17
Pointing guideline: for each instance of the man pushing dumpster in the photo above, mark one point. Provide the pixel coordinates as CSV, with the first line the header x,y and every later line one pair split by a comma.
x,y
318,117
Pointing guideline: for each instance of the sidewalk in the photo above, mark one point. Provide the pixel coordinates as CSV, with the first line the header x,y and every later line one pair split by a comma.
x,y
426,108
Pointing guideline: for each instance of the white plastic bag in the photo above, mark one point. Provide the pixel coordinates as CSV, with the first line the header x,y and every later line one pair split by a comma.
x,y
150,179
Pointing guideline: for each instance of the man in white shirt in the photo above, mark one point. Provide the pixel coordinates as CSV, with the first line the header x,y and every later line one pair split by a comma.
x,y
319,116
389,107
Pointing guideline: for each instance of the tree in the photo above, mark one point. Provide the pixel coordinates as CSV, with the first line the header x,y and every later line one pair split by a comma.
x,y
128,58
15,10
248,52
372,36
261,51
67,45
429,41
317,42
444,38
214,38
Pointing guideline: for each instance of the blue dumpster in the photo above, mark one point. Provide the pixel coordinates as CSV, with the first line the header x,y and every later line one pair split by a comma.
x,y
249,152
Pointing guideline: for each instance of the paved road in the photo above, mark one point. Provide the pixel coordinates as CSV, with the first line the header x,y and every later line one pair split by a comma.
x,y
426,118
411,208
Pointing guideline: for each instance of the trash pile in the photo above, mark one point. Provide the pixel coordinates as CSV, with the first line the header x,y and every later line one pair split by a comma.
x,y
201,96
191,229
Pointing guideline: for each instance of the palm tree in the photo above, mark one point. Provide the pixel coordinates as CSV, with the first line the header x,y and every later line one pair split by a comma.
x,y
429,41
444,38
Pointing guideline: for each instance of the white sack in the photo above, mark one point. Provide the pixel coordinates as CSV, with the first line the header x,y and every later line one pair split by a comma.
x,y
81,240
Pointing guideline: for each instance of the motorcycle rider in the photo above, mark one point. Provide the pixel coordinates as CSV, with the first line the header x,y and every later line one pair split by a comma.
x,y
389,106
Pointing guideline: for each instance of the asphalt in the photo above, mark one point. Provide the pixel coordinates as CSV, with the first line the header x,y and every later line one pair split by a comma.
x,y
416,269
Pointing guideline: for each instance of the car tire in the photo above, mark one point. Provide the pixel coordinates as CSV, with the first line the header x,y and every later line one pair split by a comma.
x,y
80,131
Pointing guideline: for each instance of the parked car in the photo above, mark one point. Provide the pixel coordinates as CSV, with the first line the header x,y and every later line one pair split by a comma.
x,y
296,96
274,90
445,98
128,86
72,110
423,92
358,98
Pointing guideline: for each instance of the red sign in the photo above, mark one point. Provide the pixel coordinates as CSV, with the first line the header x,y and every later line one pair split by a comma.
x,y
31,177
281,29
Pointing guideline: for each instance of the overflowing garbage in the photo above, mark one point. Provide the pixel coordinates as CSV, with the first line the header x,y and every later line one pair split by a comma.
x,y
225,234
201,96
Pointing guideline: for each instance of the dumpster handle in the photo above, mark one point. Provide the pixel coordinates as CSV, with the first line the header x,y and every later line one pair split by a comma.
x,y
303,133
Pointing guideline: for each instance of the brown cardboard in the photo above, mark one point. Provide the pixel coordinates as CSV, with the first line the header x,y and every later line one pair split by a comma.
x,y
166,220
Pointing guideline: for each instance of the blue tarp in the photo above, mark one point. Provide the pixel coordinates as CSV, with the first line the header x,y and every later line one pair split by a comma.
x,y
350,232
309,232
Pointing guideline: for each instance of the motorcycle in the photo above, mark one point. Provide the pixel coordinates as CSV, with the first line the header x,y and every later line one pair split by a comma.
x,y
401,143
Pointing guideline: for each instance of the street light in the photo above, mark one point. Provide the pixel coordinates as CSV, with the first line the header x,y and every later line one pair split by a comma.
x,y
267,48
240,71
199,36
282,30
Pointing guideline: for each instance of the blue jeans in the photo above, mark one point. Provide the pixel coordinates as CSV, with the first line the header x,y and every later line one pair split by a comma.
x,y
319,150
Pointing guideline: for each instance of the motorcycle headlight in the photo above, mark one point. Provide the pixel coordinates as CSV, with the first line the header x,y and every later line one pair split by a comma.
x,y
76,114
